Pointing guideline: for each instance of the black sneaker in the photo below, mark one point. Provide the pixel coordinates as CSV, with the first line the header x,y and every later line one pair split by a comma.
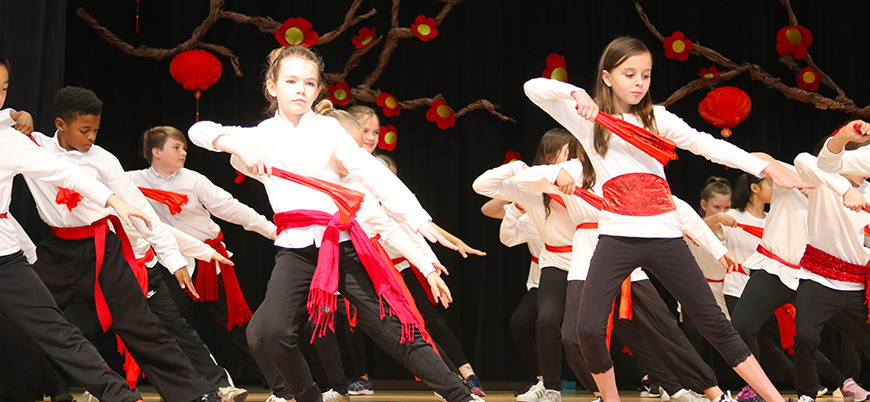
x,y
212,396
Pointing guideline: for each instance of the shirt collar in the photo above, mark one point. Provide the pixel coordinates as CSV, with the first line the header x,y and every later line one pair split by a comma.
x,y
54,144
279,121
156,175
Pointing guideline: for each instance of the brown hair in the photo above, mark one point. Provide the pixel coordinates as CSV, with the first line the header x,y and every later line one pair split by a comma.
x,y
386,160
362,112
551,143
274,60
155,137
715,185
616,53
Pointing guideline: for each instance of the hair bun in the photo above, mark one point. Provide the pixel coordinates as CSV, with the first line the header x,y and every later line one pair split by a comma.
x,y
717,180
324,107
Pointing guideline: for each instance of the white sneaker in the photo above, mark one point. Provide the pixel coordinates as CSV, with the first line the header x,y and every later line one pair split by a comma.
x,y
534,394
837,393
685,395
232,394
822,391
552,395
665,397
333,396
806,398
87,397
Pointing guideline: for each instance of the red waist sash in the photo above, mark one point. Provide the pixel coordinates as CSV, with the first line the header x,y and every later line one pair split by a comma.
x,y
206,284
4,215
324,284
172,200
534,259
588,225
558,249
831,267
714,280
348,201
765,252
638,194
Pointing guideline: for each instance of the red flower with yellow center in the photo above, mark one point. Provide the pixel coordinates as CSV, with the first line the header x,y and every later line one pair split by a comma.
x,y
441,114
808,79
366,35
511,156
424,28
388,137
677,46
389,103
339,94
557,69
793,40
708,73
296,32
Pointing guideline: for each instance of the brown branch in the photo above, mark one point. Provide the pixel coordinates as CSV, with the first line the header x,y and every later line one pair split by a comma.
x,y
704,83
484,104
264,24
349,21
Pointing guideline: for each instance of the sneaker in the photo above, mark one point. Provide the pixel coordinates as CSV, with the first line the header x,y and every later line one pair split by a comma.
x,y
822,391
360,386
333,396
87,397
685,395
531,383
209,397
665,396
551,395
232,394
650,389
534,394
474,384
273,398
62,397
853,392
837,393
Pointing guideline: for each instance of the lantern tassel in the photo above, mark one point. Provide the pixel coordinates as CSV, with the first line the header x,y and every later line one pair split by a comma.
x,y
196,95
137,16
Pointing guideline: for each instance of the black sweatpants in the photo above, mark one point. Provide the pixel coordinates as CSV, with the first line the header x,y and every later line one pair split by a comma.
x,y
548,326
522,325
30,313
67,267
272,332
672,263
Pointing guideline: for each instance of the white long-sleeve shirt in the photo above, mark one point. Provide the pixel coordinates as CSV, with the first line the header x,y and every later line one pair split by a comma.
x,y
313,149
101,164
855,162
554,97
516,228
830,226
742,245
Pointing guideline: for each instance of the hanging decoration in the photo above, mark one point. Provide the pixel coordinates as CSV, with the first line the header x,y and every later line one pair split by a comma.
x,y
725,107
677,46
339,94
441,114
366,35
388,136
137,16
708,73
557,69
793,40
808,79
196,70
424,28
389,103
296,32
511,156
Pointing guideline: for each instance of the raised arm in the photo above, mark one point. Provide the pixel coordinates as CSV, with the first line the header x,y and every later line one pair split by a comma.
x,y
224,206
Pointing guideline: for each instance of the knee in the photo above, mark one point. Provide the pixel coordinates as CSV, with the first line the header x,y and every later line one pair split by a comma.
x,y
570,338
588,334
803,339
548,322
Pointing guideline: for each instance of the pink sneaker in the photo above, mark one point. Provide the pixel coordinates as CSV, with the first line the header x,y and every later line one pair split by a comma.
x,y
852,392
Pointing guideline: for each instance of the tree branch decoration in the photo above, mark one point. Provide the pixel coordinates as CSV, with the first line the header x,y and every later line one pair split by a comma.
x,y
841,103
360,93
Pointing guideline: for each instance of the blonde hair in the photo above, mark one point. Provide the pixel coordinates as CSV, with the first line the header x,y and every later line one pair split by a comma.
x,y
344,118
274,60
362,112
155,137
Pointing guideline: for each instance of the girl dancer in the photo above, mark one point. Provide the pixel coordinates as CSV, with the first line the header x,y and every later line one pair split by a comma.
x,y
299,141
641,227
715,203
751,194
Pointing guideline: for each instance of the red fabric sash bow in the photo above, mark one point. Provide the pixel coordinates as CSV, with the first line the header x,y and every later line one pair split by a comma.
x,y
656,146
638,194
753,230
172,200
348,201
785,317
831,267
324,284
765,252
558,249
67,197
238,312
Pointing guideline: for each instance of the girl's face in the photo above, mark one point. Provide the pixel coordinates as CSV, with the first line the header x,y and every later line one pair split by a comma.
x,y
371,132
715,204
629,81
562,155
4,84
296,87
765,191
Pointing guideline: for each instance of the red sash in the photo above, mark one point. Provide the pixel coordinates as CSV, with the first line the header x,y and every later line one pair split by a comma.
x,y
638,194
238,312
765,252
753,230
419,276
594,200
534,259
4,215
588,225
324,284
831,267
558,249
172,200
624,307
714,280
557,198
785,317
68,197
348,201
658,147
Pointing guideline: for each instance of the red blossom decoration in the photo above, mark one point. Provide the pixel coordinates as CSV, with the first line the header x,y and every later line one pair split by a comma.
x,y
793,40
708,73
388,137
677,46
366,35
511,156
441,114
389,103
296,32
725,107
424,28
808,79
557,69
339,94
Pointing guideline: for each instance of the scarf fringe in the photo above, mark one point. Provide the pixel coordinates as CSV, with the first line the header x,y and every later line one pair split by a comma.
x,y
321,312
132,370
206,282
238,312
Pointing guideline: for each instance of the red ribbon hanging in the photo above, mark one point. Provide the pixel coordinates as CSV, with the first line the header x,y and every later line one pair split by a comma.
x,y
660,148
172,200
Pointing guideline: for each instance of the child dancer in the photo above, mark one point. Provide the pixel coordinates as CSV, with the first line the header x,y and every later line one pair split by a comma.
x,y
751,195
299,141
640,227
714,205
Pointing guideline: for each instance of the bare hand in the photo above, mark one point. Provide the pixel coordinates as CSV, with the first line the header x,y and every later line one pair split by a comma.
x,y
23,122
434,235
784,178
440,291
856,130
221,259
729,262
441,269
254,161
586,107
853,200
464,250
125,211
274,235
185,282
726,220
565,182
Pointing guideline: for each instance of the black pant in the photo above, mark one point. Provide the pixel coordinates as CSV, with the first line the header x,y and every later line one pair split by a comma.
x,y
522,325
548,326
272,332
32,312
329,352
815,305
436,324
67,267
672,263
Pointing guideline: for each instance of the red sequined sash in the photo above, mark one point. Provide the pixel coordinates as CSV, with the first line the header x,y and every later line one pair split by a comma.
x,y
638,194
831,267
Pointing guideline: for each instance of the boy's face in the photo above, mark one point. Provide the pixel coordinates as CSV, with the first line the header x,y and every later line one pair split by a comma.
x,y
172,155
78,134
4,84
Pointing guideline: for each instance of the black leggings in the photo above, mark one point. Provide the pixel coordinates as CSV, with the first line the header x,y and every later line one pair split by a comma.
x,y
522,324
672,263
548,326
435,322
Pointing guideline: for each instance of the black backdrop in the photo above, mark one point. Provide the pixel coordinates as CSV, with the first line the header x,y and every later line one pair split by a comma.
x,y
485,49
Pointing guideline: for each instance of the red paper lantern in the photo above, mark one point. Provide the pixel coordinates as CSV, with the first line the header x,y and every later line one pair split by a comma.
x,y
725,107
195,70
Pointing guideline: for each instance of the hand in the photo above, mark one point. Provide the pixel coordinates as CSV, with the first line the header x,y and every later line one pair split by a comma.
x,y
185,282
853,200
254,161
464,250
221,259
586,107
856,130
274,235
728,262
434,235
440,291
784,178
565,182
125,211
725,219
441,269
23,122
